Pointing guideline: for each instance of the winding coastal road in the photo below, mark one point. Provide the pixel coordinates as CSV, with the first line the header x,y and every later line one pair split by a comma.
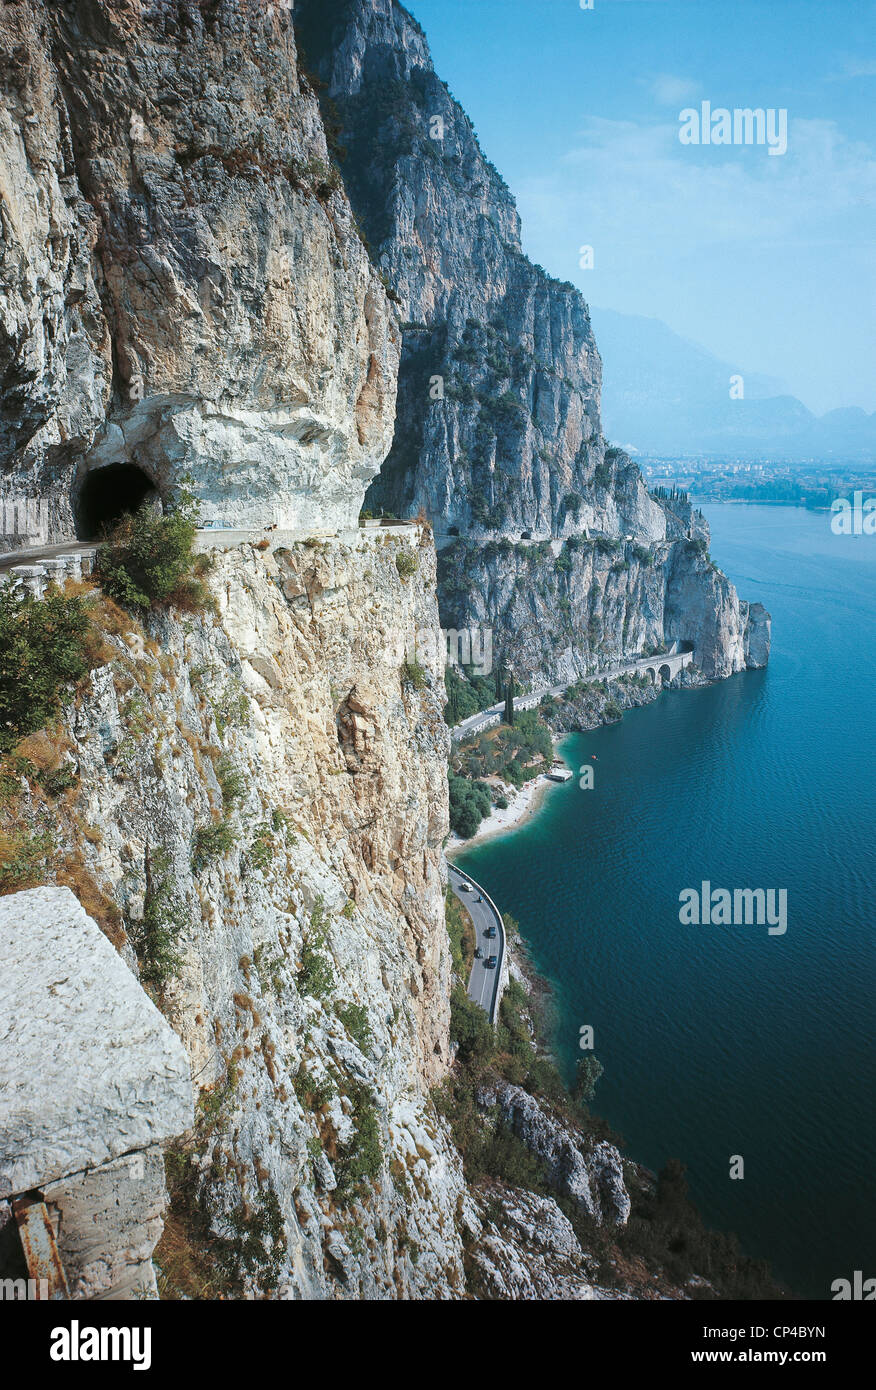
x,y
484,985
675,661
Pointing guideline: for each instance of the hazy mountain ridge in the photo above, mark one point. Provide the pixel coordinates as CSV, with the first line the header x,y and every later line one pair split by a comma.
x,y
665,395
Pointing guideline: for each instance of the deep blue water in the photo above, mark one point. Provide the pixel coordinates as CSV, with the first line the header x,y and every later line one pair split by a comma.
x,y
720,1040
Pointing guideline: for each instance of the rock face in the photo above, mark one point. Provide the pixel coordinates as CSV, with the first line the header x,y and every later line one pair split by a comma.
x,y
182,288
525,1248
89,1069
498,434
93,1082
311,990
110,1219
757,635
593,1179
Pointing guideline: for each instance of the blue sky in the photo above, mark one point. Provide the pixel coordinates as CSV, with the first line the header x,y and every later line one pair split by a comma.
x,y
768,261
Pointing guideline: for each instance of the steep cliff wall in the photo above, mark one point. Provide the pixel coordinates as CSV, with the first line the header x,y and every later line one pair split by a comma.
x,y
186,290
498,433
254,803
261,794
313,997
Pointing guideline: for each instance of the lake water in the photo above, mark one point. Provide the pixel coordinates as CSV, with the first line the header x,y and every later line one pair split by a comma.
x,y
724,1040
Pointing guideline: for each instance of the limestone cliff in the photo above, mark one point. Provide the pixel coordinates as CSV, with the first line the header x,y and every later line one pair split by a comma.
x,y
255,804
312,987
187,291
498,437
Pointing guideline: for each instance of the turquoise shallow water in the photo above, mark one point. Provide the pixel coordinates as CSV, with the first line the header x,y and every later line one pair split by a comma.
x,y
724,1040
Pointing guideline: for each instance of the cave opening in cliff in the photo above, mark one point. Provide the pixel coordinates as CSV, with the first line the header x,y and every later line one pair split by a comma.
x,y
107,494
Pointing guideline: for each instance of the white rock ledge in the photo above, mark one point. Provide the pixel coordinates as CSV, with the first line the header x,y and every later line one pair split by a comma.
x,y
89,1069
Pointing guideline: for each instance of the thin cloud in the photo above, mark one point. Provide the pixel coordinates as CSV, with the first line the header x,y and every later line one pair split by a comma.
x,y
855,67
669,90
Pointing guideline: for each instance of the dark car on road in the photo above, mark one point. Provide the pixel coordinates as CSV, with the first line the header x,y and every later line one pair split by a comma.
x,y
491,962
490,932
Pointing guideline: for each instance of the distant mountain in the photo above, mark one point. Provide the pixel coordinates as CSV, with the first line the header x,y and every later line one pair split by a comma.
x,y
663,394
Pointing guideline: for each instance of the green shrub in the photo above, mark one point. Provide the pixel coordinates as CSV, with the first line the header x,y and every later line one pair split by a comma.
x,y
263,847
470,802
46,645
406,564
257,1245
413,674
231,708
461,932
211,842
231,781
602,476
468,694
155,936
312,1094
587,1074
355,1019
324,178
150,560
470,1028
572,502
269,970
316,976
360,1161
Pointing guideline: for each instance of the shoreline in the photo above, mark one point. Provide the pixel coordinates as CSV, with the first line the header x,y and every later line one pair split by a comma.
x,y
523,806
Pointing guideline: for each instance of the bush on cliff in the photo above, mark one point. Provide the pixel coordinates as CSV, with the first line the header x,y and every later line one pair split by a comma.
x,y
470,1029
469,803
46,646
150,559
406,564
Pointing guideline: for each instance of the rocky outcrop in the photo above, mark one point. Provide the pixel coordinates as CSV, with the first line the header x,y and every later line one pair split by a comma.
x,y
92,1082
758,625
573,608
591,1177
89,1069
183,287
562,551
525,1248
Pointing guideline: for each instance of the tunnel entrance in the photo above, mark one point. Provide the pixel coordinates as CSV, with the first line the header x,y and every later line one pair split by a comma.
x,y
107,494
